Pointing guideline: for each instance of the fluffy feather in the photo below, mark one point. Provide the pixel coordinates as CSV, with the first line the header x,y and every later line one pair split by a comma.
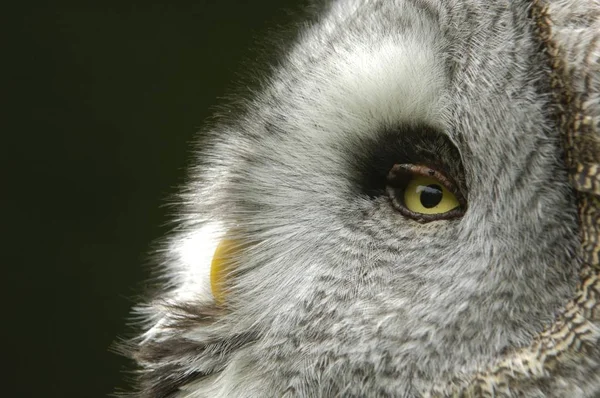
x,y
333,292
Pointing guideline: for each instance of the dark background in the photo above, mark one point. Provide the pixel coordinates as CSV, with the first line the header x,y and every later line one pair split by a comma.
x,y
103,101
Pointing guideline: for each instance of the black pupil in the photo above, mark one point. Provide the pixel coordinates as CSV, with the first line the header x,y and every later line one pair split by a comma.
x,y
431,195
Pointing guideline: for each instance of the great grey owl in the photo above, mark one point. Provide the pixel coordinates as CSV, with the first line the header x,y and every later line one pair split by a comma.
x,y
391,214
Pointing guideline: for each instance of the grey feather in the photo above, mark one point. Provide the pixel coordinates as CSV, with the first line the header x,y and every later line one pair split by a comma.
x,y
333,292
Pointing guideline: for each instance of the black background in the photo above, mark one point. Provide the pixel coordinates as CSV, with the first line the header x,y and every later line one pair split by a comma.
x,y
103,101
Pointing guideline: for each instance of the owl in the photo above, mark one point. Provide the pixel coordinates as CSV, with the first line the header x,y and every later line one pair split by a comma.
x,y
391,214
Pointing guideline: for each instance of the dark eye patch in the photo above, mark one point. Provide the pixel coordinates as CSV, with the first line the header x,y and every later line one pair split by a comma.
x,y
411,144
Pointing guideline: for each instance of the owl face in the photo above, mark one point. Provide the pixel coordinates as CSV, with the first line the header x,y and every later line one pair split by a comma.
x,y
387,212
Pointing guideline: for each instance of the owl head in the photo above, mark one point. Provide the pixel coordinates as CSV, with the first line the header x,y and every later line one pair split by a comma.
x,y
388,211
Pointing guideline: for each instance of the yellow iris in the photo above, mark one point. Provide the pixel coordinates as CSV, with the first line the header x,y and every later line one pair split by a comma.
x,y
219,268
427,195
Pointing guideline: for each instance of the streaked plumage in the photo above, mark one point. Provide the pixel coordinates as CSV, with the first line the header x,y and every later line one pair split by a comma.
x,y
331,289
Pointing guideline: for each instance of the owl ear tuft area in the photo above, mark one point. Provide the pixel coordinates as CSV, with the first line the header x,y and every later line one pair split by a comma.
x,y
220,268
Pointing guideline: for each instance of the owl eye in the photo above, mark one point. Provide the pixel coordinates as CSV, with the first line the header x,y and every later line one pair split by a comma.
x,y
424,194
